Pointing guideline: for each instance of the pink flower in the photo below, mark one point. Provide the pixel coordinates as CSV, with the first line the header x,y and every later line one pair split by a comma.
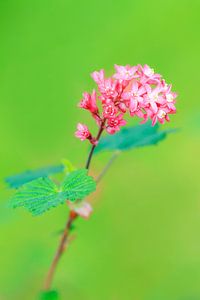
x,y
153,97
135,97
169,97
159,103
89,102
125,72
134,89
108,89
171,101
82,132
160,116
98,76
109,110
148,75
113,124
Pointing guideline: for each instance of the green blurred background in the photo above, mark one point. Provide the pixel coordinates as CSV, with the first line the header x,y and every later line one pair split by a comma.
x,y
143,240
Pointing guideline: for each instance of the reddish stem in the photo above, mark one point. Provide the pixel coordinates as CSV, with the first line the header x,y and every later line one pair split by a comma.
x,y
72,216
93,146
60,250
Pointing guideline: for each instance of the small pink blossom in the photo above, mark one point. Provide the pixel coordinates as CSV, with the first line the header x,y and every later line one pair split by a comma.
x,y
135,97
160,116
82,132
108,89
98,76
170,97
153,97
109,110
89,102
148,75
125,73
115,123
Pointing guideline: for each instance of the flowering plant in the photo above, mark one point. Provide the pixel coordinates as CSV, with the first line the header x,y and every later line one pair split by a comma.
x,y
135,91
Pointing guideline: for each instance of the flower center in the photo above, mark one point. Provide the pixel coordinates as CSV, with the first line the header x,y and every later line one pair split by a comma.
x,y
161,114
135,94
127,73
153,98
169,98
109,110
113,122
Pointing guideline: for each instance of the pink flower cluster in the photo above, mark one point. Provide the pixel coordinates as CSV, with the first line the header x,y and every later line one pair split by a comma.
x,y
136,90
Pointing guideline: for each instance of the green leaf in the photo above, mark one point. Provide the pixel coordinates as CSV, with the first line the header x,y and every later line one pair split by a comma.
x,y
41,194
38,196
68,166
78,184
132,137
49,295
18,180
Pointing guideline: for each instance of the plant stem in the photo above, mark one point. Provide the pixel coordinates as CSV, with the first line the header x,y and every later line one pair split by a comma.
x,y
106,168
72,216
93,147
60,250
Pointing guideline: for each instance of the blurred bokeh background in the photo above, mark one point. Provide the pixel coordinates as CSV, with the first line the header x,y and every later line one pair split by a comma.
x,y
143,240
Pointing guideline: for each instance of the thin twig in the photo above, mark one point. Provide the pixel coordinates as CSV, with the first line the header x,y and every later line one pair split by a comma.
x,y
93,147
106,168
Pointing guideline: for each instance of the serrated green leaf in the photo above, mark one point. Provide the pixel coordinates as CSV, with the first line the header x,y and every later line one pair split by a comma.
x,y
38,196
18,180
78,184
49,295
132,137
41,194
